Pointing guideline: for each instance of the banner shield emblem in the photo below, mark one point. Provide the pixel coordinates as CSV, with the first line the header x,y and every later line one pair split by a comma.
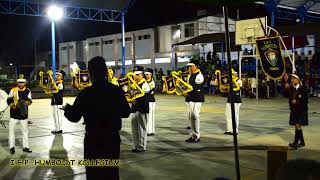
x,y
271,58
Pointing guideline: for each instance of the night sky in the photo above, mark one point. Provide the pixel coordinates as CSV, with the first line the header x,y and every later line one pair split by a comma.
x,y
18,33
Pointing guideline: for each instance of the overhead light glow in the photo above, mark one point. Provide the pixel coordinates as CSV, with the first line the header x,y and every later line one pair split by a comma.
x,y
55,13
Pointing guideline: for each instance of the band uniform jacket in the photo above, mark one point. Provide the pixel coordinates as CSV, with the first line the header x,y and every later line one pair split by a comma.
x,y
57,98
236,94
151,92
197,94
142,104
21,98
298,111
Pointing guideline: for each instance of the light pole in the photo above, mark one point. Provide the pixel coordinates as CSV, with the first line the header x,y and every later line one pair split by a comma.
x,y
55,13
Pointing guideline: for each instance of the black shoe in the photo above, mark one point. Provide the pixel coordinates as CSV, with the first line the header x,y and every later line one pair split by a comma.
x,y
60,131
301,144
12,151
190,140
29,122
188,127
137,150
150,134
27,150
293,146
54,132
228,133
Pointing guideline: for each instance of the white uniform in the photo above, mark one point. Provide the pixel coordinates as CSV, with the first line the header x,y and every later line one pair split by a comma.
x,y
194,101
152,106
139,124
56,112
237,105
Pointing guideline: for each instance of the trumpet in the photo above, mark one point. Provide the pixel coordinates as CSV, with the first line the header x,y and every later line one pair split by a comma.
x,y
176,83
47,82
223,83
130,87
80,79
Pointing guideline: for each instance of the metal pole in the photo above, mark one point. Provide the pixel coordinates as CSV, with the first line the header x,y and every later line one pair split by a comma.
x,y
53,40
173,58
272,18
222,54
35,59
123,45
293,57
257,72
228,50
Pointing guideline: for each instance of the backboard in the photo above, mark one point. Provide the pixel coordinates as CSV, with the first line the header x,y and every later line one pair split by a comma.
x,y
250,29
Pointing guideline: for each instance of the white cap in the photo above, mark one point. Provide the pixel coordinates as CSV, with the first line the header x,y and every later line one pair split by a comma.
x,y
295,76
190,64
21,80
148,73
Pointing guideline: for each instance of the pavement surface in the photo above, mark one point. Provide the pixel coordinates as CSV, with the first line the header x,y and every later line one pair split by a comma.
x,y
262,123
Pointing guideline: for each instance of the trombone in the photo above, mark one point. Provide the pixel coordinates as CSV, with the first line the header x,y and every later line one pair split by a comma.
x,y
47,82
130,87
80,79
222,81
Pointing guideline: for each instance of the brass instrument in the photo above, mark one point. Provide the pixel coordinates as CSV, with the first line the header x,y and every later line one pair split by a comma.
x,y
168,85
111,78
223,83
81,79
47,82
176,83
130,87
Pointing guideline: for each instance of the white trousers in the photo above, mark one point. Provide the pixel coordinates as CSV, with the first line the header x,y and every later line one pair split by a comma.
x,y
193,110
139,130
152,106
24,130
229,116
57,118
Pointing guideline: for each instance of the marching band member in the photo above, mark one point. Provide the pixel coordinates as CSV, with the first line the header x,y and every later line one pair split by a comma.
x,y
57,101
19,99
140,110
194,100
237,104
298,103
152,101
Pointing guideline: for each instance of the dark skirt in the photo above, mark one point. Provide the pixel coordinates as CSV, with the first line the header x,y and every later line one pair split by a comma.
x,y
299,117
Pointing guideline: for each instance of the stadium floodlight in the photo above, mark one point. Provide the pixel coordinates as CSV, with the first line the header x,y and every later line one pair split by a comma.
x,y
55,13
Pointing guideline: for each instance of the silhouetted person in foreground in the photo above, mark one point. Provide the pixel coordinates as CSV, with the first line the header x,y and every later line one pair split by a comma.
x,y
102,106
299,169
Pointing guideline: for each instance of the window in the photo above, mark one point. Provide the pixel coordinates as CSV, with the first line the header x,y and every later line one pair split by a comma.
x,y
189,30
97,43
146,36
108,42
128,39
63,48
176,32
139,37
91,44
71,47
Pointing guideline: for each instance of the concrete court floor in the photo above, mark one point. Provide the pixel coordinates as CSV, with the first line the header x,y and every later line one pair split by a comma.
x,y
262,122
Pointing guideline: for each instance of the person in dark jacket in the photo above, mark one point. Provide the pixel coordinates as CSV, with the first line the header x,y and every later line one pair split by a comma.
x,y
102,106
19,99
194,100
298,104
57,101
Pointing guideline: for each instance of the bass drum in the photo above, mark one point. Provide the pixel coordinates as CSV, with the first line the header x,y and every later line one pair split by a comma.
x,y
3,100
